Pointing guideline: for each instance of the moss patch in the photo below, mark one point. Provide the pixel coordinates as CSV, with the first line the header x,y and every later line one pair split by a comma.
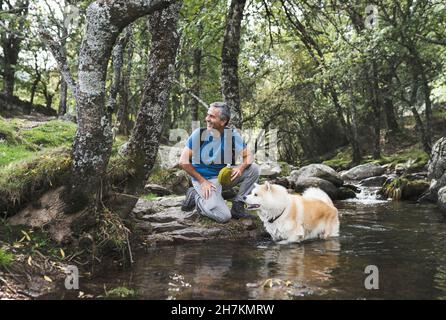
x,y
121,292
51,134
341,160
414,158
25,180
5,258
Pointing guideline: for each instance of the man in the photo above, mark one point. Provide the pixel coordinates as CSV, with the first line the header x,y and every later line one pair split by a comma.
x,y
212,149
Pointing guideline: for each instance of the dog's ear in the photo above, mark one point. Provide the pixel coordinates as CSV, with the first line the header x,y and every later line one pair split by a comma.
x,y
268,186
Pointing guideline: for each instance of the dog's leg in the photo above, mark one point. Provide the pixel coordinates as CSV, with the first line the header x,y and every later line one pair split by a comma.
x,y
327,230
335,227
332,228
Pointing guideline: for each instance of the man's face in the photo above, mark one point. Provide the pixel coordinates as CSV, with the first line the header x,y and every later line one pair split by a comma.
x,y
213,120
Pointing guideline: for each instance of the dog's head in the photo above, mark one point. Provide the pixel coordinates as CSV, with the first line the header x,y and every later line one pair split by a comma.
x,y
267,197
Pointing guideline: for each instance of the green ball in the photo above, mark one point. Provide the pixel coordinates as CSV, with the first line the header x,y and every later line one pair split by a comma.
x,y
224,177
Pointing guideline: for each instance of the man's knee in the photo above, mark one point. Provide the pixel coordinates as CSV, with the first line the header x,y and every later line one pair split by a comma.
x,y
219,216
254,169
223,218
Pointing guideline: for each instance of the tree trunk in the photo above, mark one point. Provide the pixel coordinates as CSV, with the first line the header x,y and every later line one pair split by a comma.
x,y
196,72
34,86
63,97
11,42
376,107
349,124
389,109
10,61
124,105
427,110
229,61
93,140
144,141
117,59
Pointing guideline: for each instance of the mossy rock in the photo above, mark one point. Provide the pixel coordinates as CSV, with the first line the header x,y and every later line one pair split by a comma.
x,y
402,188
285,169
414,189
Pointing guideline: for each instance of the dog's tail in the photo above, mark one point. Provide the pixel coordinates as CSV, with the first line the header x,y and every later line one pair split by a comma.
x,y
316,193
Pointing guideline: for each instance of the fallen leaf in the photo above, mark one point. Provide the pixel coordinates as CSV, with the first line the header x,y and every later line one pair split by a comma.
x,y
26,235
47,278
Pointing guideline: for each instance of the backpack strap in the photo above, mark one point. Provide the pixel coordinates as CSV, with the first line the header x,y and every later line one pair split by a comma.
x,y
222,153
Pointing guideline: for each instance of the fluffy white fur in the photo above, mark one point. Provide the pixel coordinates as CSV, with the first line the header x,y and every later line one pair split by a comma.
x,y
294,218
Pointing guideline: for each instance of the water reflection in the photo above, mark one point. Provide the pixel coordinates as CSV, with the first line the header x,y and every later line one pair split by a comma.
x,y
231,270
308,266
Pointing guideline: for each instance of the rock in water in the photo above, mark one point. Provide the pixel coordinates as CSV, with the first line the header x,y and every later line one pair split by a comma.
x,y
437,168
363,171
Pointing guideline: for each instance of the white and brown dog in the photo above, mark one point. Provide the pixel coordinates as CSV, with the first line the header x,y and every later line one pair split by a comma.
x,y
294,218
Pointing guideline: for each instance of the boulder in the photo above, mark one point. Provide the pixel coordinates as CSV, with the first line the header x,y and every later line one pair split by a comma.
x,y
373,181
157,189
179,182
70,117
325,185
169,156
344,193
281,181
174,180
401,188
441,201
271,169
319,171
363,171
437,167
414,189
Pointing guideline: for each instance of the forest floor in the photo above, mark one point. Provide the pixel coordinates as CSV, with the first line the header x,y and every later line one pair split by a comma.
x,y
402,147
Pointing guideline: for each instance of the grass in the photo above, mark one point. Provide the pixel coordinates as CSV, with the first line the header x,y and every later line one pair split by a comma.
x,y
5,258
37,159
21,180
12,153
51,134
121,292
150,196
17,143
7,133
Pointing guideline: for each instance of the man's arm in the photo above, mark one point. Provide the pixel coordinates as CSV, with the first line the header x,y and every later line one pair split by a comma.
x,y
185,164
248,158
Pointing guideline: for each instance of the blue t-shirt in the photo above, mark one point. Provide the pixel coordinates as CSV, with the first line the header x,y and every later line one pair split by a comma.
x,y
213,155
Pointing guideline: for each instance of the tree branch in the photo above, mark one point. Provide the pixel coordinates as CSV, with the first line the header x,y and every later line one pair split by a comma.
x,y
59,55
189,91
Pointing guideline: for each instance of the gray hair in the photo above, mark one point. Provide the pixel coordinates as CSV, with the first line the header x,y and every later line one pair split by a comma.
x,y
225,112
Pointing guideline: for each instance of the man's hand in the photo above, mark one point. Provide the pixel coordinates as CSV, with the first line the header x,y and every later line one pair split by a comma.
x,y
237,172
206,188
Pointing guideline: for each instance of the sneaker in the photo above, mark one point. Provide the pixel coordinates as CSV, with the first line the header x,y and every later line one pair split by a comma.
x,y
189,203
238,211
